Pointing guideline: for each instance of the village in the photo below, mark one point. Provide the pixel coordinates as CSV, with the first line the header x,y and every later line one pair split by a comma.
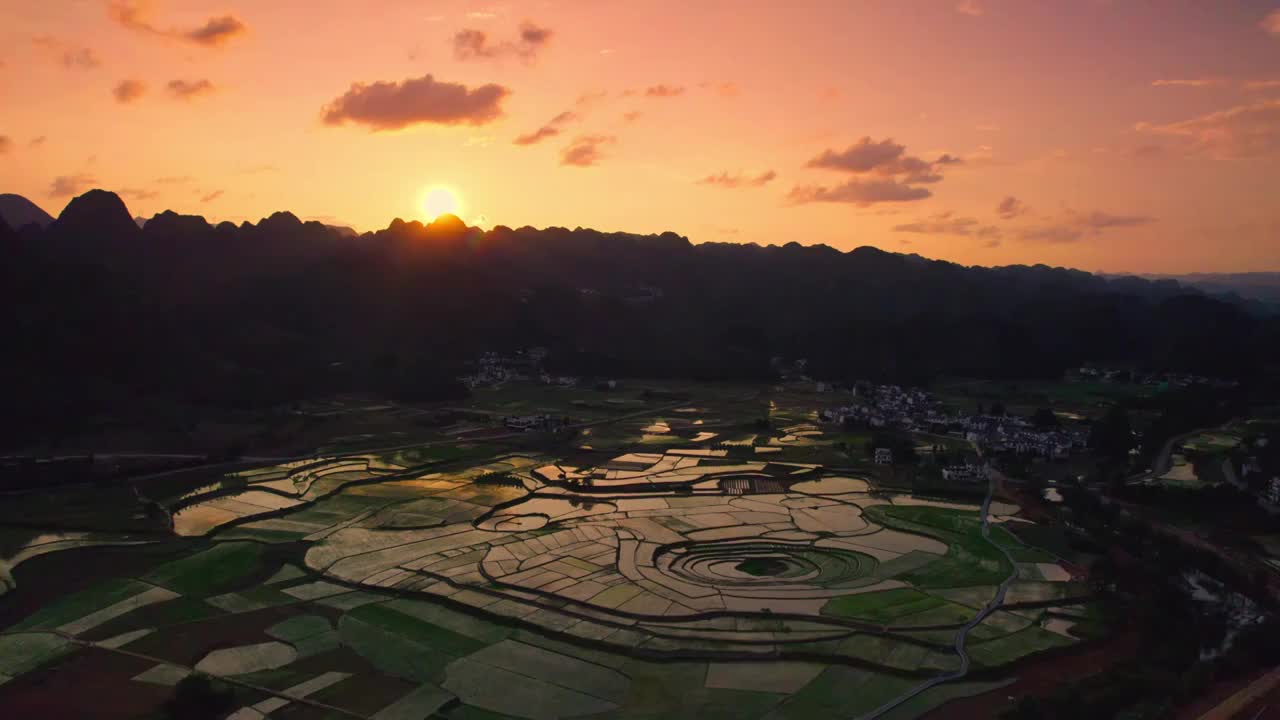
x,y
916,411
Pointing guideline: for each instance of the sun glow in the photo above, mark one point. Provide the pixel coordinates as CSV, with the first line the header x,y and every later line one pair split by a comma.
x,y
440,200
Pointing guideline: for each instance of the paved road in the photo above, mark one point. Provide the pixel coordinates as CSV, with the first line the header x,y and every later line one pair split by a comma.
x,y
963,633
1164,461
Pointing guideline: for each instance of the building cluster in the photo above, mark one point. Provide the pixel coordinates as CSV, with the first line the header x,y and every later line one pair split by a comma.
x,y
967,472
1259,469
1008,433
495,369
1169,379
914,410
529,423
881,406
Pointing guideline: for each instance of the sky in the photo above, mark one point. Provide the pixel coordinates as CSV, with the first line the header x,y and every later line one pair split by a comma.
x,y
1106,135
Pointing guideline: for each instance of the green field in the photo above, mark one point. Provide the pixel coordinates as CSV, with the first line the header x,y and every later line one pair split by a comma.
x,y
221,568
75,606
1024,397
884,606
1001,651
970,559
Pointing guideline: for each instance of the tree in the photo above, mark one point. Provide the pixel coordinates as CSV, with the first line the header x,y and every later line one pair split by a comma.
x,y
1111,437
197,698
1044,419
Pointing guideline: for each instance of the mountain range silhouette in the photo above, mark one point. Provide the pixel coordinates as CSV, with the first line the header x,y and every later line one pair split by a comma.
x,y
103,312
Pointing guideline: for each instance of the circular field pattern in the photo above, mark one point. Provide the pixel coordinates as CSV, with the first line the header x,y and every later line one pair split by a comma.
x,y
768,564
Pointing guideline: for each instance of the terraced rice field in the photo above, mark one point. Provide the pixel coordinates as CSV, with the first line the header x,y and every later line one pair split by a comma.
x,y
677,583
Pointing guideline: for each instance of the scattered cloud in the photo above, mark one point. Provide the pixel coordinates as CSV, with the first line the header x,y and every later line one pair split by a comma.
x,y
1146,152
129,90
211,196
723,89
174,180
38,141
1271,23
986,127
537,136
471,44
948,223
1219,82
6,144
664,91
862,193
1074,226
139,193
68,185
189,89
482,15
885,158
632,116
424,100
551,129
72,57
883,173
1191,83
256,170
591,97
726,180
215,32
1244,131
1011,207
972,8
584,151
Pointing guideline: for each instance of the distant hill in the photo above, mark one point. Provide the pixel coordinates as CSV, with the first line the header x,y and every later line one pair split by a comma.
x,y
17,211
1263,286
259,314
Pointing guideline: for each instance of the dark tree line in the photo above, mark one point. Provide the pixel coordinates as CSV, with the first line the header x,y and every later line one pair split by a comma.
x,y
101,315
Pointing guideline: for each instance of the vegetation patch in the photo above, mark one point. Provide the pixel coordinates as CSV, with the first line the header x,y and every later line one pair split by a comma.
x,y
77,605
970,559
1000,651
221,568
884,606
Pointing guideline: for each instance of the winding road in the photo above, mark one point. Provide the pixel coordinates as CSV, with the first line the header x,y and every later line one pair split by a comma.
x,y
963,633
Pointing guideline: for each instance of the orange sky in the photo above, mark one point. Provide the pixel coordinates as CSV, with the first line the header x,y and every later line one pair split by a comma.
x,y
1131,136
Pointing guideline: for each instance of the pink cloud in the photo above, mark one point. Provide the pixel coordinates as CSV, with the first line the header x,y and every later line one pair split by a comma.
x,y
215,32
1244,131
585,151
471,44
187,90
424,100
129,90
726,180
862,193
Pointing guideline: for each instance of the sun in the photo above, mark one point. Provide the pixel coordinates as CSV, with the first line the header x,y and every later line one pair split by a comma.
x,y
440,200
